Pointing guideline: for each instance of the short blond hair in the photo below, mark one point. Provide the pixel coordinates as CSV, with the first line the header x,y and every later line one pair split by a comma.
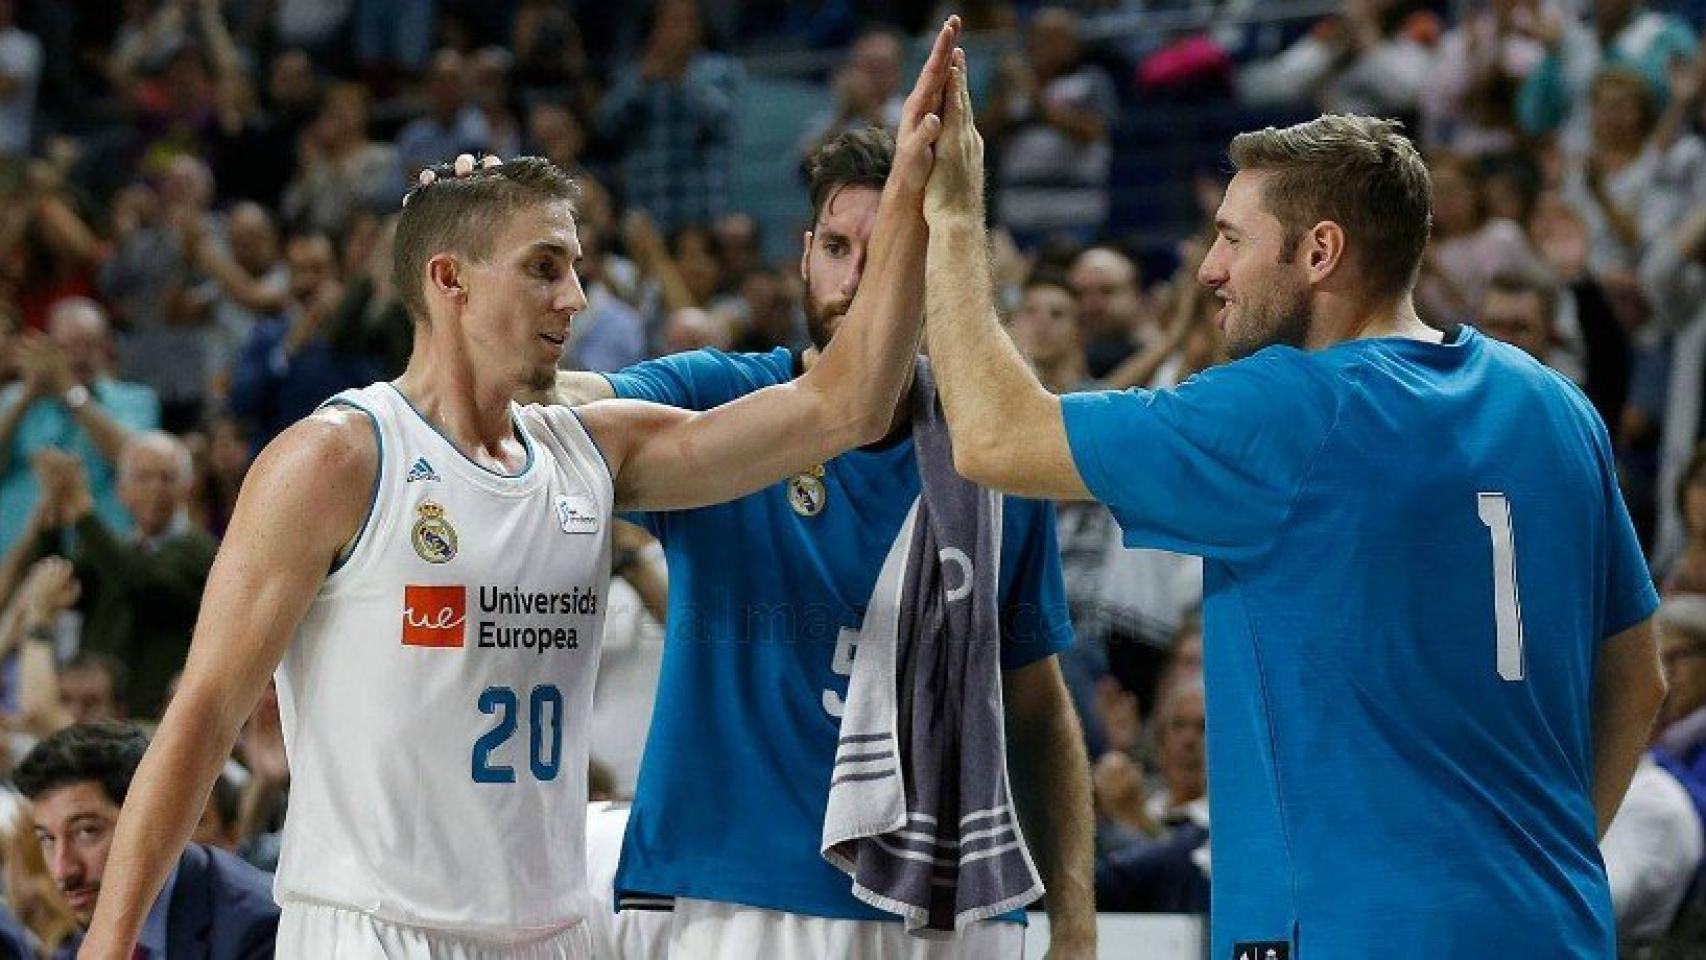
x,y
1361,173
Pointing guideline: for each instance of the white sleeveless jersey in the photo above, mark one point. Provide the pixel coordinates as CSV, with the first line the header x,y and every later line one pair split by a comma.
x,y
436,697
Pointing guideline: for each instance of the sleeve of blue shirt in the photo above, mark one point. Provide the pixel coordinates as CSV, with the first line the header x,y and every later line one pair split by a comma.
x,y
697,380
701,379
1035,621
1210,468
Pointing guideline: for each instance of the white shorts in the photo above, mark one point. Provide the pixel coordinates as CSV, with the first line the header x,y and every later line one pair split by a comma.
x,y
703,930
311,931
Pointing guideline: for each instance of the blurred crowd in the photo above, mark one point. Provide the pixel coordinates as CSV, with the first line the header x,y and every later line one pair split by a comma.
x,y
196,206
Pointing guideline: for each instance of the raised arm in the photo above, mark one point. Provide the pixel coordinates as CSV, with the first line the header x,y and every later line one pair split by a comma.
x,y
304,498
1007,429
664,458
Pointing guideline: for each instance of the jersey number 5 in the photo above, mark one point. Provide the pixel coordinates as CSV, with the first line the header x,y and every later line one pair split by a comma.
x,y
1507,603
545,716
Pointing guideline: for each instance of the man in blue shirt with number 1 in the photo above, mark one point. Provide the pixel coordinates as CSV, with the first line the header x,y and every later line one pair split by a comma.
x,y
1429,665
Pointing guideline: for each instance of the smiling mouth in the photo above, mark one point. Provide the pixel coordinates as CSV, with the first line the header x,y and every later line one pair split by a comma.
x,y
554,339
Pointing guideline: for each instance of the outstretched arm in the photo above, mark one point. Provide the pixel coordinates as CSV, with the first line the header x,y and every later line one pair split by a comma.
x,y
304,498
664,458
1007,429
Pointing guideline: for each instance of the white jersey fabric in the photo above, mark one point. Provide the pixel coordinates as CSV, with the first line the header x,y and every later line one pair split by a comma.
x,y
435,699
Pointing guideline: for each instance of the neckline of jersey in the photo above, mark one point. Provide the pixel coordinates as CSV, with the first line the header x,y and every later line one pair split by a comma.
x,y
515,424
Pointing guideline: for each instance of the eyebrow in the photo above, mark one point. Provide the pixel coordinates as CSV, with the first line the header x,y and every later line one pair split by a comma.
x,y
553,248
1225,226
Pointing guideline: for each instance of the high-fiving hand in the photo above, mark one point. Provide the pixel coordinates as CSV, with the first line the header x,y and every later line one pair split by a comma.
x,y
955,190
921,116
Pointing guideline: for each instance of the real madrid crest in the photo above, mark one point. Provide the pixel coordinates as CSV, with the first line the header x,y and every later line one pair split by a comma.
x,y
433,536
806,492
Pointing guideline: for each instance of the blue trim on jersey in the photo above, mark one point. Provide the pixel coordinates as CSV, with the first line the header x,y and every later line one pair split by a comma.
x,y
594,441
515,425
378,479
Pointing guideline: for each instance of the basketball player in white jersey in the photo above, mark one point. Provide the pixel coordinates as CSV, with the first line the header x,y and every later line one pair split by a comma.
x,y
425,563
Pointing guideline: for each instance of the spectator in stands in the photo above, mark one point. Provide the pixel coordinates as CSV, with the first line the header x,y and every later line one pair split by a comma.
x,y
340,170
866,89
20,73
49,253
221,466
1110,308
141,590
692,328
92,688
1468,98
31,893
213,905
1468,247
556,133
489,89
29,694
69,400
288,366
1371,58
609,334
151,282
219,820
248,281
740,247
764,314
1686,571
1048,125
672,116
1522,309
1163,866
1555,95
394,36
1673,277
451,124
1608,183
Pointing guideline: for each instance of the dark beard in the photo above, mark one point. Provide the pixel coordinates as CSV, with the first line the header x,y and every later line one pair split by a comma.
x,y
1289,327
819,317
541,379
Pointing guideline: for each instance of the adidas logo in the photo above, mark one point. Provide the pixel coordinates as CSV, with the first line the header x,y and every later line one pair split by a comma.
x,y
421,470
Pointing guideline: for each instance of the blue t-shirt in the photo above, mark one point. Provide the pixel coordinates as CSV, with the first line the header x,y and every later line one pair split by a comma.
x,y
1392,767
49,423
732,790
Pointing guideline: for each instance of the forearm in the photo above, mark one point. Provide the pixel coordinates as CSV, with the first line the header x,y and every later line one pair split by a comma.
x,y
982,378
1628,688
650,583
251,294
108,435
1051,782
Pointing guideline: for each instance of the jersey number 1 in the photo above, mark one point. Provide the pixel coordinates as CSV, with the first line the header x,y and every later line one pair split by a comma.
x,y
545,756
1507,603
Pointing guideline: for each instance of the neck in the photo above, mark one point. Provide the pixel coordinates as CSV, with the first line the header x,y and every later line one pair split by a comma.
x,y
472,410
1363,322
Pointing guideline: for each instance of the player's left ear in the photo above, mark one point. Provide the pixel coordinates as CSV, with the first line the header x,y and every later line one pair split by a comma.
x,y
1322,249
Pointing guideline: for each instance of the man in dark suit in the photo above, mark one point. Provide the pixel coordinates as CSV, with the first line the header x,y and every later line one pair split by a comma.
x,y
214,906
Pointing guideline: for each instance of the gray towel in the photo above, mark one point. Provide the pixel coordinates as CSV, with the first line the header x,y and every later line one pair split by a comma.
x,y
920,812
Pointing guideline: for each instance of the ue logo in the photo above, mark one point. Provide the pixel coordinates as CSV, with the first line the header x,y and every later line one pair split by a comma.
x,y
434,616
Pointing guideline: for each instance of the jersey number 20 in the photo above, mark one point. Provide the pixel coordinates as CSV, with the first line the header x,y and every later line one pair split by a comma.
x,y
545,720
1507,603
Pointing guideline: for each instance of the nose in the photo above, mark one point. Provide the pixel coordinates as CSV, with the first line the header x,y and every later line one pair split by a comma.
x,y
66,869
572,299
1212,273
850,284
